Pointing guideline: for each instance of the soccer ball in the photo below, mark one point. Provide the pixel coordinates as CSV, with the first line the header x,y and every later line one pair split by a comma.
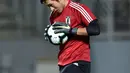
x,y
56,39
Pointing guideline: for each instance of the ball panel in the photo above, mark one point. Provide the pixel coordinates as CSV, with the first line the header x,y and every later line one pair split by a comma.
x,y
55,39
64,39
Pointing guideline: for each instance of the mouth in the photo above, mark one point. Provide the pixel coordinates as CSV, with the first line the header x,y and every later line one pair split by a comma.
x,y
56,10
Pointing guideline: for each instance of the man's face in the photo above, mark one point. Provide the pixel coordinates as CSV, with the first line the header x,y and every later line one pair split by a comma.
x,y
55,5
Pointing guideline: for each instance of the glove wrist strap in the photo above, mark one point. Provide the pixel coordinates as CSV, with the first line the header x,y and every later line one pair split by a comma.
x,y
73,31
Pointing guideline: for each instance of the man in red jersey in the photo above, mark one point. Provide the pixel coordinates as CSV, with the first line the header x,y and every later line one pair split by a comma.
x,y
79,23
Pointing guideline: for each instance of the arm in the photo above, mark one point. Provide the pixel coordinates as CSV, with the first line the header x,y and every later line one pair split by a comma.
x,y
89,20
91,30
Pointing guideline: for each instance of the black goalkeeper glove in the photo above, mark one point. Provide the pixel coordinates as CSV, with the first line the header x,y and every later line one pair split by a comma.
x,y
61,27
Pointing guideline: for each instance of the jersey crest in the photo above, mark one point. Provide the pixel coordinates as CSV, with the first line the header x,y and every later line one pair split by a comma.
x,y
67,20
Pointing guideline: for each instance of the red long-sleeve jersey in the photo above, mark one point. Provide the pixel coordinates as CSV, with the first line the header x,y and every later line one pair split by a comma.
x,y
78,47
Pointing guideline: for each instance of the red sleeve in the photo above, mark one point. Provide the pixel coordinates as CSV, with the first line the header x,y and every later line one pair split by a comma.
x,y
51,17
51,20
86,15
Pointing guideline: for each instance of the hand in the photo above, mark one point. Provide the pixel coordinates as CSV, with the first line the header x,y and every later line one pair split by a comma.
x,y
61,27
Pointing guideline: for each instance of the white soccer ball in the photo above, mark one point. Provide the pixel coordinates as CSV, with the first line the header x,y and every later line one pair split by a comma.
x,y
56,39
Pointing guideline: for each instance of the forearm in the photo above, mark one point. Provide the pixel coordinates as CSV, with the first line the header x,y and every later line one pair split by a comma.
x,y
82,31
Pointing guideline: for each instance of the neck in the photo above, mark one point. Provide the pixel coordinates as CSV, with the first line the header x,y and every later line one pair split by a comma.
x,y
66,2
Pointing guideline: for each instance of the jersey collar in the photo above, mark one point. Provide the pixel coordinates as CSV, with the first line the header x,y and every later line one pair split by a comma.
x,y
66,6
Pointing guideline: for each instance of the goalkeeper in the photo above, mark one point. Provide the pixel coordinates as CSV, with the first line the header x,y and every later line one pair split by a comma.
x,y
77,21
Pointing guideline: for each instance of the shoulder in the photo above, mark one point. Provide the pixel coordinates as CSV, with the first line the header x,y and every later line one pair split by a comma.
x,y
78,6
53,14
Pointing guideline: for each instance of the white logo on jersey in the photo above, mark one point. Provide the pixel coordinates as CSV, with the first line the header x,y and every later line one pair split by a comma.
x,y
76,64
67,20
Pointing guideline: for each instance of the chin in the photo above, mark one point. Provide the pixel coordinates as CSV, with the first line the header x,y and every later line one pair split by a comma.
x,y
58,11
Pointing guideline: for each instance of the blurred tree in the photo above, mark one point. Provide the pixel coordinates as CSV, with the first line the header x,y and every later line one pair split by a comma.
x,y
121,15
100,10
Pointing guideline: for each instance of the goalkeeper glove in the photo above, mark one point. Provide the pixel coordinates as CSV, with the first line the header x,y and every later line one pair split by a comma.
x,y
61,27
